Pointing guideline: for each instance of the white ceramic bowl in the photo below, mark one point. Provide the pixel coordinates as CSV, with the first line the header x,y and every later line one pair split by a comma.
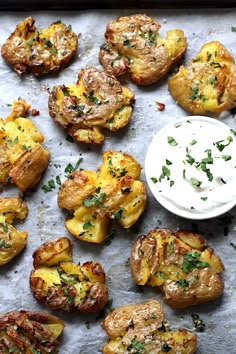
x,y
190,167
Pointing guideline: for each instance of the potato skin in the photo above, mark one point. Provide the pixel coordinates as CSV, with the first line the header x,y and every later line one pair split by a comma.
x,y
140,327
96,101
114,192
63,285
133,46
23,157
29,332
27,49
12,241
179,264
208,84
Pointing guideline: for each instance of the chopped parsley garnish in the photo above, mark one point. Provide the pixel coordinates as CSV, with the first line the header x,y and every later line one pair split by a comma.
x,y
172,183
226,157
127,44
212,80
14,349
191,261
233,245
54,51
94,99
4,227
135,344
198,323
195,182
168,162
71,300
183,283
154,179
165,173
58,180
4,244
204,198
70,168
49,186
95,199
65,91
118,214
171,141
47,43
219,144
233,29
87,324
86,225
79,108
30,41
57,22
163,275
215,65
194,93
110,123
27,148
193,142
69,27
152,37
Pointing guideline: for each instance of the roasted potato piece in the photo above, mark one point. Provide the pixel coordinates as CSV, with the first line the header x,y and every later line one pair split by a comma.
x,y
133,45
139,329
28,332
114,192
208,84
40,52
22,159
96,101
63,285
12,241
180,264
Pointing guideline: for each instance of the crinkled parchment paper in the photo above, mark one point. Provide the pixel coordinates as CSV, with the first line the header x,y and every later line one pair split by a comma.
x,y
45,221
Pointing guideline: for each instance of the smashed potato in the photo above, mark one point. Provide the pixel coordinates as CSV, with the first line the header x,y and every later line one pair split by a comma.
x,y
114,192
40,52
140,329
64,285
96,101
133,45
208,84
180,264
12,241
22,157
29,332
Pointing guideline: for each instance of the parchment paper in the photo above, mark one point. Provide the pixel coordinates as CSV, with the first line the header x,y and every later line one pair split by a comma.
x,y
45,221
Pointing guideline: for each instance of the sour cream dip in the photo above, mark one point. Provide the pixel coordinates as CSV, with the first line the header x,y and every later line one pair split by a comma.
x,y
190,167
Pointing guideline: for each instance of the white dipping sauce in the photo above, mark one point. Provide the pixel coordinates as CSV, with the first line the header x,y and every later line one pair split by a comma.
x,y
191,167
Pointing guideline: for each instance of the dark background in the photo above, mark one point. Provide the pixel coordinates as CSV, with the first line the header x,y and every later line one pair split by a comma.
x,y
27,5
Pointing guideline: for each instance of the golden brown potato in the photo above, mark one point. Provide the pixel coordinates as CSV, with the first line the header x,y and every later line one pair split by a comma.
x,y
114,192
139,329
40,52
96,101
28,332
208,84
12,241
133,45
64,285
179,264
22,157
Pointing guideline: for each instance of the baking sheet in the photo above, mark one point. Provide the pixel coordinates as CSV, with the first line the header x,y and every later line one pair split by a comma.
x,y
45,221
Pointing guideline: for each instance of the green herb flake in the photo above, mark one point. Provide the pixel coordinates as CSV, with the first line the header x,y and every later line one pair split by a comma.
x,y
204,198
54,51
109,305
69,27
65,91
168,162
135,344
195,182
193,142
191,261
233,29
86,225
165,173
110,123
70,300
212,80
14,349
219,144
172,183
171,141
26,148
57,22
58,180
4,244
153,179
233,245
198,323
94,99
183,283
163,275
118,214
30,41
226,157
127,44
194,93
